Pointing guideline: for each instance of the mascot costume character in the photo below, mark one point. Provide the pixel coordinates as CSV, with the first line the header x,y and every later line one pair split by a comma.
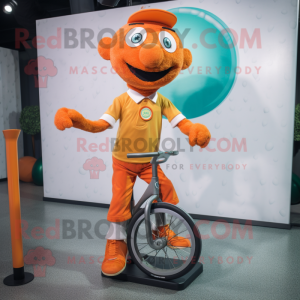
x,y
147,54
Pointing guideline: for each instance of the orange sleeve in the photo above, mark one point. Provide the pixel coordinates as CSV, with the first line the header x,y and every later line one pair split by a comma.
x,y
169,110
113,114
115,109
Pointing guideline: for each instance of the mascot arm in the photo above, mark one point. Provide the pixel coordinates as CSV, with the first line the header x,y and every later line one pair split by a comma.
x,y
198,134
67,118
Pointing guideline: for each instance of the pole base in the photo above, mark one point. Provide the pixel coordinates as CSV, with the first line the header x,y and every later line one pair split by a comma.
x,y
10,281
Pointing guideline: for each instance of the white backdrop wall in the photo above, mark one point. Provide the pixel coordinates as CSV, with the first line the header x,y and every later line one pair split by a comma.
x,y
10,101
244,173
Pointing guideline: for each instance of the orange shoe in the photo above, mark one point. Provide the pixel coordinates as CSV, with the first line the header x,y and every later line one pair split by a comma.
x,y
174,241
114,261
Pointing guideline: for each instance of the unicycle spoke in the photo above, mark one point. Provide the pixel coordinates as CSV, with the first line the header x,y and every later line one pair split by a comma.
x,y
176,253
172,222
149,252
181,249
155,257
170,260
164,259
176,235
163,224
143,247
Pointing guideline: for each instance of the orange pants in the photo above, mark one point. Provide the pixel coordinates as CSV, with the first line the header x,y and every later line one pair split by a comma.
x,y
123,179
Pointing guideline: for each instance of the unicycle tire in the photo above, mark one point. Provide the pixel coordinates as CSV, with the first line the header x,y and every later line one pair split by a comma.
x,y
164,267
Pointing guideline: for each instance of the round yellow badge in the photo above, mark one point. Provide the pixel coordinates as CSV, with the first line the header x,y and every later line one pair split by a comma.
x,y
146,113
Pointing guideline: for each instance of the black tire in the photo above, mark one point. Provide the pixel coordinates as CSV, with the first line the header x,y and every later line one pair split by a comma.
x,y
194,229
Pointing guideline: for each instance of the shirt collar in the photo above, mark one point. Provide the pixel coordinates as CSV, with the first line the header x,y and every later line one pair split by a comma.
x,y
137,97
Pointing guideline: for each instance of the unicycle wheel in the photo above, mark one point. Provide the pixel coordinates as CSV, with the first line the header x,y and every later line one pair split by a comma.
x,y
171,261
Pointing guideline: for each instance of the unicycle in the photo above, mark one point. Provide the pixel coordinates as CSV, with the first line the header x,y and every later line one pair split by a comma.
x,y
152,252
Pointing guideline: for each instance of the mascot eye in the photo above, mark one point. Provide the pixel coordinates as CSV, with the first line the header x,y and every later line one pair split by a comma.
x,y
136,36
167,41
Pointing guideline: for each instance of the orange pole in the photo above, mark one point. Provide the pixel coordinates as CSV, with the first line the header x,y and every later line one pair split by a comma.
x,y
19,277
11,137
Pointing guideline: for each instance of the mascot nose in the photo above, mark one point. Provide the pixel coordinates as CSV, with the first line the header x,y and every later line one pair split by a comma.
x,y
151,55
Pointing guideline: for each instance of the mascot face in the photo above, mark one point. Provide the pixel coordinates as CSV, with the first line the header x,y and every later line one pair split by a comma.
x,y
146,54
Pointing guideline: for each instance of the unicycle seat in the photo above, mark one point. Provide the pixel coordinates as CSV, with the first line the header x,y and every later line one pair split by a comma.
x,y
151,154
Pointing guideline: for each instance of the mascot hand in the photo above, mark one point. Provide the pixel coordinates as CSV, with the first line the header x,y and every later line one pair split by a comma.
x,y
67,118
198,134
63,120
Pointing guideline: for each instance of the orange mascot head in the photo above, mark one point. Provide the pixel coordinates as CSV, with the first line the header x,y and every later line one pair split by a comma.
x,y
146,52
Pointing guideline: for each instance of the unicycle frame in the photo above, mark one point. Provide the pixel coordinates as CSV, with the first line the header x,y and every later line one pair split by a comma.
x,y
151,194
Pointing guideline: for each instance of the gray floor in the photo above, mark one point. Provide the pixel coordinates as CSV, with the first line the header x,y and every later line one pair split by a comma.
x,y
273,273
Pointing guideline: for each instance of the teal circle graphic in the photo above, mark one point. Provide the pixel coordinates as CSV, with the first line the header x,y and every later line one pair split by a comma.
x,y
212,46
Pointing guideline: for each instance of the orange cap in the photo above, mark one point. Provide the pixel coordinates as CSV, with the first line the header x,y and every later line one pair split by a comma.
x,y
159,16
